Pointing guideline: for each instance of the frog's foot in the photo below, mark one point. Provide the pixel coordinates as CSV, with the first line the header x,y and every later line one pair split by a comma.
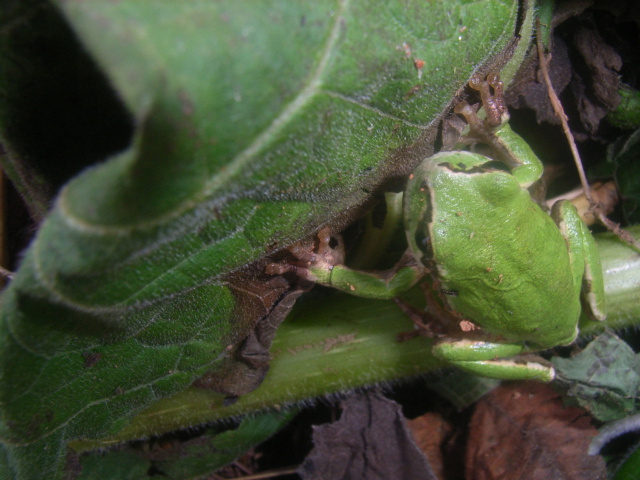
x,y
312,262
491,94
480,133
494,359
324,265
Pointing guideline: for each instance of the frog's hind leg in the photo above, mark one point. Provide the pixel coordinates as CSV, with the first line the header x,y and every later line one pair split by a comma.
x,y
494,359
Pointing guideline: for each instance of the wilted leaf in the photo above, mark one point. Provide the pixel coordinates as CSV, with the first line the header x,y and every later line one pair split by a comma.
x,y
371,440
523,431
603,64
604,378
584,61
430,431
254,127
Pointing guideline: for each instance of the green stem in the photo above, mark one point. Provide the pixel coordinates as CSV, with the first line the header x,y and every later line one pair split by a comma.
x,y
621,268
337,343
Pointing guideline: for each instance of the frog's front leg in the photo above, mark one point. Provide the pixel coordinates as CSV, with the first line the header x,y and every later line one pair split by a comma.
x,y
509,147
326,267
584,258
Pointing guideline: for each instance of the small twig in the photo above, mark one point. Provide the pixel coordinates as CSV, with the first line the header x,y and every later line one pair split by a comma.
x,y
269,474
559,111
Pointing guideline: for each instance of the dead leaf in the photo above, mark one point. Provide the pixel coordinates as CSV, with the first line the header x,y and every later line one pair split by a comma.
x,y
583,66
522,431
528,92
431,432
598,93
247,363
370,441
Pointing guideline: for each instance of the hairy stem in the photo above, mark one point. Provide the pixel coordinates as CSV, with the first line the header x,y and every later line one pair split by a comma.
x,y
335,343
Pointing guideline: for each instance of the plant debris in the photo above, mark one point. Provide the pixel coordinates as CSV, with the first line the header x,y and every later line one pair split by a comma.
x,y
370,441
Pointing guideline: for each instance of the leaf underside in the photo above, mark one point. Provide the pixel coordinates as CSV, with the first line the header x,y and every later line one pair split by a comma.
x,y
255,125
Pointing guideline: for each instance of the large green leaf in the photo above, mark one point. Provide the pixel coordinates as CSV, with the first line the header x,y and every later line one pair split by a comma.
x,y
256,124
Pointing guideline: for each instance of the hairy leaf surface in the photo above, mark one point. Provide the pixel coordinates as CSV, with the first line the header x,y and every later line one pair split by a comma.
x,y
256,123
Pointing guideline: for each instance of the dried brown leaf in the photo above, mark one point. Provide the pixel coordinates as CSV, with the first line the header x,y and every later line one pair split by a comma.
x,y
584,65
431,431
522,432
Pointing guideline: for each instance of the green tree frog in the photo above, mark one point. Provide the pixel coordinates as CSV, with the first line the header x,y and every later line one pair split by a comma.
x,y
498,261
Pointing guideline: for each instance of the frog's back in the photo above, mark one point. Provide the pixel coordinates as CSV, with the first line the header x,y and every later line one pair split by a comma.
x,y
496,274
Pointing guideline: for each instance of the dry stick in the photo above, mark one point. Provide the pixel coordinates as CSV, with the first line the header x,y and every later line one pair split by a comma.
x,y
269,474
559,111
